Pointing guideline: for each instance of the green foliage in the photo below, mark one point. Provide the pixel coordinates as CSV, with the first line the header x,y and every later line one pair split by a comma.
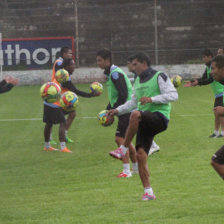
x,y
56,188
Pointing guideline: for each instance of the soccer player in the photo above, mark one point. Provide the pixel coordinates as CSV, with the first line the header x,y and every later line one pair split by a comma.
x,y
154,147
217,160
7,84
217,88
152,94
119,91
65,53
53,114
69,65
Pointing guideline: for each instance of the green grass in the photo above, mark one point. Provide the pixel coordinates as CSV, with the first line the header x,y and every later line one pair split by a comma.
x,y
56,188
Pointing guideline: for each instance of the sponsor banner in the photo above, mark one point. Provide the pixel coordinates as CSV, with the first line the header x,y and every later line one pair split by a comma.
x,y
33,52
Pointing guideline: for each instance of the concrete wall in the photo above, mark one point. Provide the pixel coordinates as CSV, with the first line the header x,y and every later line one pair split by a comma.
x,y
185,28
87,75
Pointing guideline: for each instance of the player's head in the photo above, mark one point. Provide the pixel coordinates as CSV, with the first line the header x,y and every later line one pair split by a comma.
x,y
220,51
141,62
104,58
129,63
69,65
207,56
218,67
66,52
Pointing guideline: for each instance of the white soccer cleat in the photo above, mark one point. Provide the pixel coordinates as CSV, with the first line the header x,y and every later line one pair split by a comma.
x,y
153,149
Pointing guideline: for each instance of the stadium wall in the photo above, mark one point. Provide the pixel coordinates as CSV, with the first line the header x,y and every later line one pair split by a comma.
x,y
184,28
87,75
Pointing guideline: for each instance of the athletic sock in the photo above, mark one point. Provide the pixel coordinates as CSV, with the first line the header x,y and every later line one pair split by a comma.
x,y
124,149
63,145
222,133
126,168
148,190
135,167
47,144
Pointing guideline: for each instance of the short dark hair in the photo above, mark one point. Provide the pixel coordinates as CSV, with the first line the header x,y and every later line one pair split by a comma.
x,y
105,54
207,52
64,49
67,62
141,57
219,60
130,58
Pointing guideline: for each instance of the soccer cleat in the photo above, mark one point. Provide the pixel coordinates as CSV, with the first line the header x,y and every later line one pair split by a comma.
x,y
66,150
50,149
124,175
52,142
117,153
147,197
68,139
214,136
220,136
153,150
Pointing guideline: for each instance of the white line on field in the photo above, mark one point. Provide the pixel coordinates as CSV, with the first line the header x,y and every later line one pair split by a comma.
x,y
39,119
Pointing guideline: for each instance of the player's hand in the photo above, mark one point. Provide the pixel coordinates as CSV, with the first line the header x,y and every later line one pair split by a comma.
x,y
219,111
95,93
10,79
110,119
145,100
112,112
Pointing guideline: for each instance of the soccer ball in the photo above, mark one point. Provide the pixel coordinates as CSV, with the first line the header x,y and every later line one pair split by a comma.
x,y
96,87
50,92
103,118
176,80
69,101
62,76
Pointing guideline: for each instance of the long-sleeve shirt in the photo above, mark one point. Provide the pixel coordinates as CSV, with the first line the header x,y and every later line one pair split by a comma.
x,y
205,79
5,87
120,84
168,92
70,86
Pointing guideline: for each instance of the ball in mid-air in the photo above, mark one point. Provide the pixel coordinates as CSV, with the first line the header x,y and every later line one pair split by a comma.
x,y
176,80
96,87
62,75
50,92
69,101
103,118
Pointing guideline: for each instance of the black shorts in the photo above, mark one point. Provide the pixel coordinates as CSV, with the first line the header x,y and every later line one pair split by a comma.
x,y
150,125
219,101
218,157
122,125
53,115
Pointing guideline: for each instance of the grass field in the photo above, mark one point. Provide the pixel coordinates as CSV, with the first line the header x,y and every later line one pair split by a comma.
x,y
56,188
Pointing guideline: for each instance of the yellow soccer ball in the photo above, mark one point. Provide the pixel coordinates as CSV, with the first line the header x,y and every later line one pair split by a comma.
x,y
176,80
69,101
96,87
62,76
103,118
50,92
